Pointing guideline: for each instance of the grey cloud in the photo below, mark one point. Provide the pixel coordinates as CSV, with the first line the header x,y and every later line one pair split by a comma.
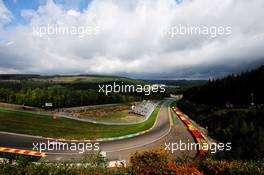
x,y
131,39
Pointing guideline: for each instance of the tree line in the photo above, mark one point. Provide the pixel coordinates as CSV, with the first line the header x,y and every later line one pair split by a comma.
x,y
241,123
36,93
239,90
61,97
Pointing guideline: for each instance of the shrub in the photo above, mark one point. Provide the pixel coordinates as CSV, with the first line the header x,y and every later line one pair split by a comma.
x,y
157,162
225,167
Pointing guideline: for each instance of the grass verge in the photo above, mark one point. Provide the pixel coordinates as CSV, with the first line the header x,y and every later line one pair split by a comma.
x,y
44,125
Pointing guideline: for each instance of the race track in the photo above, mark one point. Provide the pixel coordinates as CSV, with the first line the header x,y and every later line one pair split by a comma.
x,y
164,131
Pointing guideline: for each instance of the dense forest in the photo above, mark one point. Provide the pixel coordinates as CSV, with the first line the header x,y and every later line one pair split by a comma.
x,y
60,97
178,86
234,89
183,84
66,91
232,110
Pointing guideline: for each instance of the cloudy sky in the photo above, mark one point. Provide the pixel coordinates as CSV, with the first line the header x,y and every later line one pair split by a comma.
x,y
136,38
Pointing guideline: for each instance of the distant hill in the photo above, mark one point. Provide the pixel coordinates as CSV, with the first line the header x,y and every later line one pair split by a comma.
x,y
238,89
68,78
183,84
20,81
17,76
67,90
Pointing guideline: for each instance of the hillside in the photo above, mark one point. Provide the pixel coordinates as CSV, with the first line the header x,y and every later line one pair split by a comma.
x,y
234,89
66,90
62,91
90,81
183,84
224,107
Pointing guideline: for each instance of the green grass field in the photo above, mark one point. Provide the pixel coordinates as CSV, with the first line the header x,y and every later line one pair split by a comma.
x,y
44,125
87,79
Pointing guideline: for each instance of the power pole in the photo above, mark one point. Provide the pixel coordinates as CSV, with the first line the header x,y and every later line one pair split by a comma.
x,y
252,99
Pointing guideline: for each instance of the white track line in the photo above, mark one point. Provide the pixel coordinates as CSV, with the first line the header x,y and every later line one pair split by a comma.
x,y
128,148
22,135
132,147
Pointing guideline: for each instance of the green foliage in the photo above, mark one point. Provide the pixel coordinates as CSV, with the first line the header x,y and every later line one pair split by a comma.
x,y
225,167
150,158
157,162
66,91
44,125
153,162
61,97
234,89
21,159
92,164
223,106
243,127
94,159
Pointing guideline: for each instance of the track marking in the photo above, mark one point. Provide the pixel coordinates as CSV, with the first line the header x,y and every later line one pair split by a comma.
x,y
133,147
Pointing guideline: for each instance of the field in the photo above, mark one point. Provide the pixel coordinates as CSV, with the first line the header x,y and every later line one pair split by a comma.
x,y
68,79
44,125
85,79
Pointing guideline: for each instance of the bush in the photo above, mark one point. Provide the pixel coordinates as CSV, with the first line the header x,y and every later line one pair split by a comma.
x,y
224,167
157,162
153,162
243,127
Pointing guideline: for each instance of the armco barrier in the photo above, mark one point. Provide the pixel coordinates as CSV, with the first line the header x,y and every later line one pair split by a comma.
x,y
24,152
194,132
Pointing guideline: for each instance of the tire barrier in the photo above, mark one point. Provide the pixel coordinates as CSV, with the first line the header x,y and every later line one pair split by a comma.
x,y
197,135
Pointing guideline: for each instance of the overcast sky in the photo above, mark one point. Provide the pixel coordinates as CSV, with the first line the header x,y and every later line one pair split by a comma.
x,y
131,37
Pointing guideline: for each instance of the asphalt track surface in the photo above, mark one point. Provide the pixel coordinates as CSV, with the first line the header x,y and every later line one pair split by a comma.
x,y
163,132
